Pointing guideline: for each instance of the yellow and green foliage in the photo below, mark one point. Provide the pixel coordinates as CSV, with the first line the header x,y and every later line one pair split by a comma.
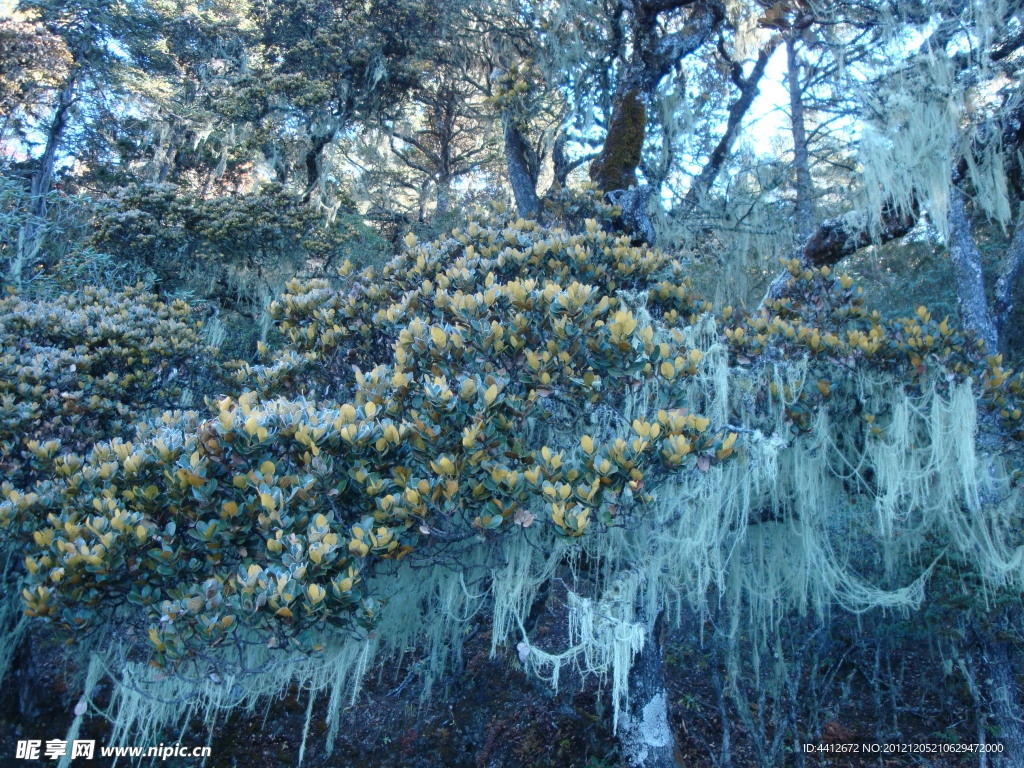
x,y
505,382
82,368
824,319
504,290
268,513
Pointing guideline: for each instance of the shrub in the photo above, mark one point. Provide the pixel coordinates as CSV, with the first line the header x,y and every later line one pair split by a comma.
x,y
502,406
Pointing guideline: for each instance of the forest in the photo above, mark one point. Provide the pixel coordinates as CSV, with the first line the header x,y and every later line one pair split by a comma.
x,y
497,383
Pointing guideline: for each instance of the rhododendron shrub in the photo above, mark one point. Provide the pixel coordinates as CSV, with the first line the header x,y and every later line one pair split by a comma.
x,y
510,404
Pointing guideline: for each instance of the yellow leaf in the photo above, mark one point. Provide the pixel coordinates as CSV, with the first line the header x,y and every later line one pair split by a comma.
x,y
315,593
358,548
267,468
154,638
587,443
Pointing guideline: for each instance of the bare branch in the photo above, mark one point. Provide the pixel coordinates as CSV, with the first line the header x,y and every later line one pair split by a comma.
x,y
737,111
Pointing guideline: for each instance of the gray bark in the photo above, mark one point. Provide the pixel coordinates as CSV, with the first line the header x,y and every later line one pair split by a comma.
x,y
520,173
645,732
801,164
444,193
635,216
967,273
1009,271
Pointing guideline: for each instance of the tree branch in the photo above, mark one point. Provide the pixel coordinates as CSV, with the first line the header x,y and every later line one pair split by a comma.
x,y
842,236
737,111
1009,271
970,284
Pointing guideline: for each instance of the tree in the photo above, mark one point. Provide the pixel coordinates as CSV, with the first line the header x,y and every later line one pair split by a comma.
x,y
331,63
416,447
536,406
87,32
972,149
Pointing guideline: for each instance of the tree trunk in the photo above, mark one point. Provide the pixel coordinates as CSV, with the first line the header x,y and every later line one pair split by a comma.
x,y
645,733
635,217
749,90
444,194
615,168
801,164
520,169
314,162
30,237
1009,271
970,286
26,679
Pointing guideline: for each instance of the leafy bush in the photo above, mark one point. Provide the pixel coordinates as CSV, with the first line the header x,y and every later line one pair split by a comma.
x,y
238,250
499,406
84,367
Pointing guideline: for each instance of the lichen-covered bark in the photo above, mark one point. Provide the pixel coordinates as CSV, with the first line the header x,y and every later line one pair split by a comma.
x,y
970,285
635,217
1009,271
520,172
645,733
615,168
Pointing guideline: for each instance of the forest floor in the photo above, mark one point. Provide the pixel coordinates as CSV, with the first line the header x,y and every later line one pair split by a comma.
x,y
492,715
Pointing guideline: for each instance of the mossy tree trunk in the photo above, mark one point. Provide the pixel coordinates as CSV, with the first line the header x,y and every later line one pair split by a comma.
x,y
615,168
654,54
